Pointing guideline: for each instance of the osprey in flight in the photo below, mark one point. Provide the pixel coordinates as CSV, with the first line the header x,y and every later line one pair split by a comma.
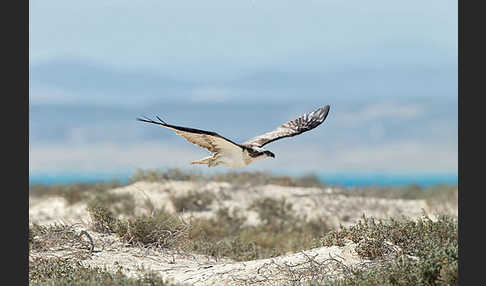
x,y
236,155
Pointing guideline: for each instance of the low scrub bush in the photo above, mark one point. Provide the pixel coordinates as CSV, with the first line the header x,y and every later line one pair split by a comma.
x,y
63,271
279,233
428,251
44,238
236,178
72,193
160,229
117,203
192,201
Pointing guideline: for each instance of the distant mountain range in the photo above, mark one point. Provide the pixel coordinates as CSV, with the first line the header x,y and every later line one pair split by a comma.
x,y
379,119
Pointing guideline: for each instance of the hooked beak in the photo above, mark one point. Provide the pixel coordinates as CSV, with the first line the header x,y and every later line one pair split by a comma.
x,y
269,154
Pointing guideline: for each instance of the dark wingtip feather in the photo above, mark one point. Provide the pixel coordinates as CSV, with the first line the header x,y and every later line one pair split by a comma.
x,y
143,119
325,110
318,117
146,119
160,120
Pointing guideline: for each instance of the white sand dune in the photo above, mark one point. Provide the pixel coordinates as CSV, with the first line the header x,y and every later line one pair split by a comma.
x,y
196,269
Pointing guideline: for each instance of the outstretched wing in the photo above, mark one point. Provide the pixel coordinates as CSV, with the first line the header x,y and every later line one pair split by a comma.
x,y
297,126
212,141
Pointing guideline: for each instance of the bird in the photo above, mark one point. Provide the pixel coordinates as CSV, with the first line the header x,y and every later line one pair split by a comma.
x,y
233,155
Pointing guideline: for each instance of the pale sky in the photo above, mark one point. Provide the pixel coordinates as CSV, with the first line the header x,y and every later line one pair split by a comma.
x,y
221,39
388,69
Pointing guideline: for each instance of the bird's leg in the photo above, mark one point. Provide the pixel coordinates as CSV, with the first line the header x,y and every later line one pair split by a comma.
x,y
213,162
207,160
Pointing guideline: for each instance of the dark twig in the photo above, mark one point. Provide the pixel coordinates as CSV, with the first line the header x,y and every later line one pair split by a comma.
x,y
90,240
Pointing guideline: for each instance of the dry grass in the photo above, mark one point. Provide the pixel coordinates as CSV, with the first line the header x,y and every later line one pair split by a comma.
x,y
66,271
60,237
279,233
437,193
72,193
161,175
159,230
265,178
236,178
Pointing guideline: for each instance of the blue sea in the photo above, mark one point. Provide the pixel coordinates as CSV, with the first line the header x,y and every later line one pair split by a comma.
x,y
392,180
337,179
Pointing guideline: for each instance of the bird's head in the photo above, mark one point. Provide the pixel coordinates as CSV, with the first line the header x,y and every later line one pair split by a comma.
x,y
260,153
268,154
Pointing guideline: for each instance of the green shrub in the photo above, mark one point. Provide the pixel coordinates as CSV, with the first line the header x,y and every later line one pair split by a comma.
x,y
273,211
428,255
103,219
280,232
192,201
117,203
